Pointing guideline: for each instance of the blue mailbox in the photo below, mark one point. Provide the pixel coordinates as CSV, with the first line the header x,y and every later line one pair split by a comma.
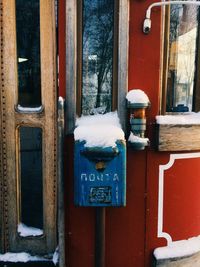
x,y
100,175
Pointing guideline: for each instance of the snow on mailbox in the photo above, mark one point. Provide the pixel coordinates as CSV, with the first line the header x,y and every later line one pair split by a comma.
x,y
100,161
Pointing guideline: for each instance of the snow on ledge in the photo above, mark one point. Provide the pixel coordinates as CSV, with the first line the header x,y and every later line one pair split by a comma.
x,y
178,249
137,96
25,230
136,139
56,256
99,130
29,109
187,118
20,257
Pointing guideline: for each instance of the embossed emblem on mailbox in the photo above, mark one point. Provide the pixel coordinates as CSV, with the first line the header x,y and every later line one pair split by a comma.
x,y
101,194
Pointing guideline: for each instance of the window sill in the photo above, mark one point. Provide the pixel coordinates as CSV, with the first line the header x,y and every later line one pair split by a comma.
x,y
28,264
178,132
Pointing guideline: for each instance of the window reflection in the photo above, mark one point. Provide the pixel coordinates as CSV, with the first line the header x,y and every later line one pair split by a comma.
x,y
31,176
182,53
28,52
97,55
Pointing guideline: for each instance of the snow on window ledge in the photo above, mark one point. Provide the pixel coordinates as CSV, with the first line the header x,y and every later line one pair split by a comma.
x,y
182,119
178,249
101,130
55,258
20,257
26,257
29,109
25,230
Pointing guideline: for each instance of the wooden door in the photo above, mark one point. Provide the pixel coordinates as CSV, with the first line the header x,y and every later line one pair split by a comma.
x,y
28,135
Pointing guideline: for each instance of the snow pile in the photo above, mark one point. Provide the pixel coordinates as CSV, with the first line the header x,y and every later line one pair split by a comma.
x,y
20,257
136,139
99,130
25,230
186,118
56,256
137,96
29,109
178,249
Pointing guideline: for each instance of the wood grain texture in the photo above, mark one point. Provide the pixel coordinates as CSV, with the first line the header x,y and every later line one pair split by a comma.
x,y
11,120
178,137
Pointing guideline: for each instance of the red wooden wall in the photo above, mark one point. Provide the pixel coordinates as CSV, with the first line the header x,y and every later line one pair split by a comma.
x,y
131,232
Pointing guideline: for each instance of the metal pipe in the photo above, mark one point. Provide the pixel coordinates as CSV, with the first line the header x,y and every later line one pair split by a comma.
x,y
61,223
100,237
147,21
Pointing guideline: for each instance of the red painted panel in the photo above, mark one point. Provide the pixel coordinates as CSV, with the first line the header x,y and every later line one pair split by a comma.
x,y
154,159
182,198
131,232
125,226
144,53
79,221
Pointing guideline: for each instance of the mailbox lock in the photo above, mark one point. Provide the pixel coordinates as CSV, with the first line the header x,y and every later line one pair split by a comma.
x,y
100,166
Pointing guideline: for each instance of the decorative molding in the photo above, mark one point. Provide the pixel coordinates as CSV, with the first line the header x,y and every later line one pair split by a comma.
x,y
3,161
162,169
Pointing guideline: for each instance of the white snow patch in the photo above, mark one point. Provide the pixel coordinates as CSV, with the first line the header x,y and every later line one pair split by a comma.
x,y
137,96
20,257
178,249
56,256
186,118
110,118
136,139
61,99
29,109
25,230
99,130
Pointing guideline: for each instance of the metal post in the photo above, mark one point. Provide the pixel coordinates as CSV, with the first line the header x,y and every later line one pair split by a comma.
x,y
100,237
61,224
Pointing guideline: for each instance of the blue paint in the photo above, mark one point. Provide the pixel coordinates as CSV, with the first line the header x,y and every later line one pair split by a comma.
x,y
100,187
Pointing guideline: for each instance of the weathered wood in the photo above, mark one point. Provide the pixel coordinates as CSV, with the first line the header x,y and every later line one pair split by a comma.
x,y
11,119
71,64
178,137
61,185
123,45
188,261
1,143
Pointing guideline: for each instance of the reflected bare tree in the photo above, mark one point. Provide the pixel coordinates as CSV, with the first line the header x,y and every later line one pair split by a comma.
x,y
98,24
182,52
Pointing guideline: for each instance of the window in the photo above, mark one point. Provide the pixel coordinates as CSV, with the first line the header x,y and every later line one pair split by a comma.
x,y
99,43
31,176
181,63
28,52
97,36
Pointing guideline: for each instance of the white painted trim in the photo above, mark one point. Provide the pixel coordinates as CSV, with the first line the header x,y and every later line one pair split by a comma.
x,y
162,169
